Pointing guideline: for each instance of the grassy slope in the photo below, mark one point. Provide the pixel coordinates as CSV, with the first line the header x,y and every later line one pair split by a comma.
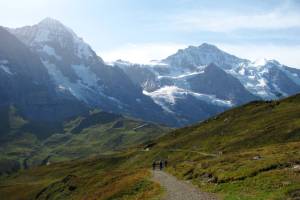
x,y
219,155
97,133
95,178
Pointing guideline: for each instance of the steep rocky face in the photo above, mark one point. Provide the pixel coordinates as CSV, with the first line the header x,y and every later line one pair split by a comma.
x,y
280,83
215,81
76,69
188,107
267,79
141,76
25,83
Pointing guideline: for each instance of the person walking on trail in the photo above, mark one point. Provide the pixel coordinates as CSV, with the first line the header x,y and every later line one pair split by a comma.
x,y
166,163
153,165
160,165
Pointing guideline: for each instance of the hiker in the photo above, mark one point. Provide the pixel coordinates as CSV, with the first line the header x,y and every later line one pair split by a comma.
x,y
153,165
166,163
160,165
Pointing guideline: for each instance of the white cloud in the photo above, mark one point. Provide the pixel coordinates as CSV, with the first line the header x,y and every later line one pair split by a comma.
x,y
288,55
141,53
284,16
29,12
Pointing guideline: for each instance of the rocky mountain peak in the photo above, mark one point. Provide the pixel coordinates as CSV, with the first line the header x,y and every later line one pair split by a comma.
x,y
45,31
209,47
52,37
203,55
50,22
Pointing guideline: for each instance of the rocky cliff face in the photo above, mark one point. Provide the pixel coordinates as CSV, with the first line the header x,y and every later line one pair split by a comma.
x,y
25,83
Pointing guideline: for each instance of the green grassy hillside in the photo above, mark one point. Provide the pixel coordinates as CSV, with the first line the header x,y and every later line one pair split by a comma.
x,y
101,178
250,152
94,134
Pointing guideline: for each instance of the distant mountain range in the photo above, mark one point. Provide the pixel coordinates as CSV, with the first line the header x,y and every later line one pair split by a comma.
x,y
50,74
198,82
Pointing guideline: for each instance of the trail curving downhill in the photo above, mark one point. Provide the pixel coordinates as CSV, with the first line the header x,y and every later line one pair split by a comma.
x,y
179,190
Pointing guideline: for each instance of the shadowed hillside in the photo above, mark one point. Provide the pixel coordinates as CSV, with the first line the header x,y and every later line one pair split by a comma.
x,y
88,135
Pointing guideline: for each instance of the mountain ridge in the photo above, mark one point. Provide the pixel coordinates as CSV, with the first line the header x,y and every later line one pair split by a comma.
x,y
260,80
144,91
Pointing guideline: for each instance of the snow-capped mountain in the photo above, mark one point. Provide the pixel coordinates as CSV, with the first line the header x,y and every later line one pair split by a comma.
x,y
26,84
55,66
75,69
267,79
191,94
204,54
219,78
68,59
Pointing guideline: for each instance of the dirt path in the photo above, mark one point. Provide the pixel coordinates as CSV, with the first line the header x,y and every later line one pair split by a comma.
x,y
179,190
198,152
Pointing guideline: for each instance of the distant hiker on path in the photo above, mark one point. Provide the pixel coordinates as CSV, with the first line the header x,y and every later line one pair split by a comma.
x,y
160,165
153,165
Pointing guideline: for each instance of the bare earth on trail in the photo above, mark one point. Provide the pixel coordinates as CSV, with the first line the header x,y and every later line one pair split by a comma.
x,y
179,190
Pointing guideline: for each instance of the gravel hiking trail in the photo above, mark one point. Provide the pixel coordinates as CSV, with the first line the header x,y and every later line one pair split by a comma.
x,y
179,190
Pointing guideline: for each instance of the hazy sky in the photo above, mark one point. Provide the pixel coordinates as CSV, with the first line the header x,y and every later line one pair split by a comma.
x,y
141,30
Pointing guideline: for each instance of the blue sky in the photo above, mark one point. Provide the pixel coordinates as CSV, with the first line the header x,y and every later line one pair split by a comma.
x,y
141,30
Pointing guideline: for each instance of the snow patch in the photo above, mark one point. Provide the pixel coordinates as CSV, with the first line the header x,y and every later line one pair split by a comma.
x,y
5,68
86,88
253,77
42,36
260,62
51,52
168,95
83,49
62,88
279,90
87,77
62,81
292,76
182,76
242,72
212,99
